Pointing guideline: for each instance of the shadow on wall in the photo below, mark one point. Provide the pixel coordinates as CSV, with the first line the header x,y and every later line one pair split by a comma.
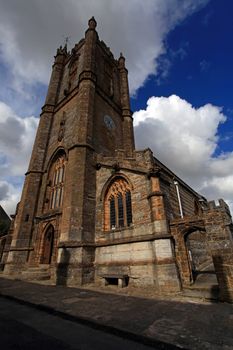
x,y
63,268
224,277
2,246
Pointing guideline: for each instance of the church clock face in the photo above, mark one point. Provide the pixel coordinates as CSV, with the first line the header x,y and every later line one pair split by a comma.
x,y
109,122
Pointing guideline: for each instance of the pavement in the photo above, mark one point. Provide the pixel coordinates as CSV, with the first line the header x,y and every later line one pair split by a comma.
x,y
163,322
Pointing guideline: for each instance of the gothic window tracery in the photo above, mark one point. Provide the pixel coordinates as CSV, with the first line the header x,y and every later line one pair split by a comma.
x,y
57,183
118,206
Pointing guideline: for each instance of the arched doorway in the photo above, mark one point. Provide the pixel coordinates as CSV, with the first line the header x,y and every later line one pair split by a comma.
x,y
193,257
200,260
47,249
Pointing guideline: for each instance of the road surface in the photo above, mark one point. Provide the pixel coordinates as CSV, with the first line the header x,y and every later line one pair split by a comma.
x,y
26,328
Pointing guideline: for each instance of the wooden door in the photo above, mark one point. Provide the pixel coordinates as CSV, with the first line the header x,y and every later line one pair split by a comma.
x,y
47,246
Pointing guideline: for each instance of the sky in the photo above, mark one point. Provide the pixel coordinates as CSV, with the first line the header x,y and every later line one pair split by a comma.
x,y
179,54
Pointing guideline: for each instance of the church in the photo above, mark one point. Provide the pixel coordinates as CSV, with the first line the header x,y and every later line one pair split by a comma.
x,y
96,210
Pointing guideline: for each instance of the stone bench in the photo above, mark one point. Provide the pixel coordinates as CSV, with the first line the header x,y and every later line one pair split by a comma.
x,y
120,280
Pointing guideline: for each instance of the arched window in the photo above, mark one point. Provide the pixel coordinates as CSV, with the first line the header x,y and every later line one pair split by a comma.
x,y
117,205
56,182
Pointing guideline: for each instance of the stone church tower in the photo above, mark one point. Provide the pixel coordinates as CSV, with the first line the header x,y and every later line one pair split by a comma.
x,y
93,209
86,113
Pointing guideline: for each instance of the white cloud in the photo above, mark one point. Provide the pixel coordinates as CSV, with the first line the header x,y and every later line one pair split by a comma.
x,y
16,139
185,139
9,196
31,30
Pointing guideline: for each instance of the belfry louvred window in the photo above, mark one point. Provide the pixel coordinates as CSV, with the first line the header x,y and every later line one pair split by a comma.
x,y
117,205
57,182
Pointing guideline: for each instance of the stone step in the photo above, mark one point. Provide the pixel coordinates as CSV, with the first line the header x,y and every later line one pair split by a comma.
x,y
36,273
204,292
30,277
36,269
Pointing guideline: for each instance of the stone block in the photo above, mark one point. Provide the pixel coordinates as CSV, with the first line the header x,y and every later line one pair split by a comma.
x,y
162,249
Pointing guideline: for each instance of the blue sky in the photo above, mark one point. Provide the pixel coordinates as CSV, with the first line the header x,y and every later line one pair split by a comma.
x,y
198,65
179,54
200,52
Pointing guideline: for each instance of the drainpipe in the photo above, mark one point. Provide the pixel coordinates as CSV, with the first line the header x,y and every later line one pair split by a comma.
x,y
179,200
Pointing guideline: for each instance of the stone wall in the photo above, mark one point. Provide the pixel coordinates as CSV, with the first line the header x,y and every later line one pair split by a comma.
x,y
190,200
146,263
218,224
142,251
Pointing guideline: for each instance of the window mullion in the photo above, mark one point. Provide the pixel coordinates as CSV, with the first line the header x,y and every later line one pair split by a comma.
x,y
61,196
128,208
120,210
116,211
124,209
112,213
54,198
